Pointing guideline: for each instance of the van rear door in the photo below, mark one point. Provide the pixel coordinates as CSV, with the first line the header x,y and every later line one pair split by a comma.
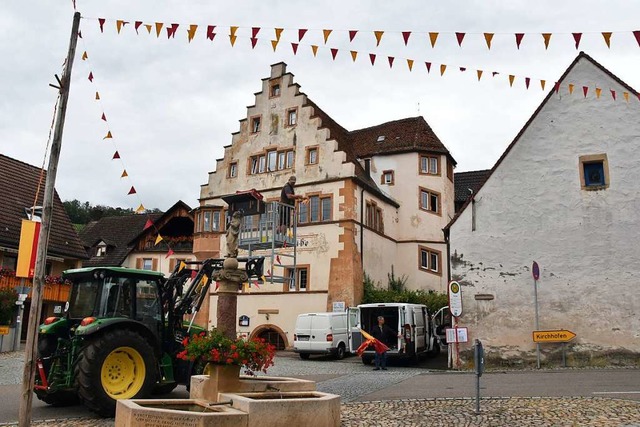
x,y
420,329
353,328
303,332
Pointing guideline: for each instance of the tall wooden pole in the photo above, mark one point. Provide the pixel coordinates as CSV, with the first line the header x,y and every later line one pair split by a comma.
x,y
41,256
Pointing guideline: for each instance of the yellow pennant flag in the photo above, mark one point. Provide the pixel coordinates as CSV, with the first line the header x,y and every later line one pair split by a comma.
x,y
274,44
158,28
479,72
124,174
232,35
410,64
607,38
626,96
232,40
140,209
192,31
158,239
148,27
547,38
511,79
264,279
487,38
119,25
97,96
326,34
571,86
278,33
543,83
378,35
205,279
442,69
84,56
109,136
354,55
598,92
182,266
433,37
314,49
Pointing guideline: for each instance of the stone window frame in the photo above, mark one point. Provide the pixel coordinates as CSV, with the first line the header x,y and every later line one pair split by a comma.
x,y
307,155
374,217
231,168
252,125
287,117
429,251
591,159
264,153
450,170
272,87
386,173
429,156
321,196
298,268
430,192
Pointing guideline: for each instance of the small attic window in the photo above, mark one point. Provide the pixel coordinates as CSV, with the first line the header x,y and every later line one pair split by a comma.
x,y
101,250
381,138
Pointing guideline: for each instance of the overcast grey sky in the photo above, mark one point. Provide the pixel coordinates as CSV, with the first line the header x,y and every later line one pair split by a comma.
x,y
172,105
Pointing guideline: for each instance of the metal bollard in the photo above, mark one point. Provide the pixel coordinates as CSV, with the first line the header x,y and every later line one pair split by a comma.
x,y
478,353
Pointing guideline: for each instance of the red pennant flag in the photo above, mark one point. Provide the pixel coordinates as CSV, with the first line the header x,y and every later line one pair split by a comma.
x,y
527,80
372,57
460,37
268,272
132,191
101,22
194,273
390,58
463,69
577,37
136,25
116,155
334,52
284,244
91,76
405,36
636,34
255,31
556,87
255,282
278,259
147,224
104,117
585,89
169,253
294,46
428,64
613,94
352,34
171,31
301,33
217,285
519,37
494,73
210,33
254,41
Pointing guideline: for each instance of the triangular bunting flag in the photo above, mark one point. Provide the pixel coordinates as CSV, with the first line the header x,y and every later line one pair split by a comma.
x,y
585,90
278,32
205,279
255,282
119,24
79,34
194,273
90,76
171,31
278,259
210,32
326,34
109,136
598,92
626,96
433,37
149,27
443,67
301,33
607,39
97,96
410,64
487,38
255,31
556,87
169,253
372,58
511,79
314,49
460,37
405,36
352,34
274,44
463,69
232,31
84,55
269,272
543,83
519,37
131,191
547,38
232,40
636,34
613,94
571,86
191,32
217,285
334,52
264,279
182,266
104,117
577,37
378,35
158,239
136,25
527,80
147,224
294,46
428,64
101,23
254,41
116,155
494,73
390,58
479,72
140,209
354,55
124,174
159,26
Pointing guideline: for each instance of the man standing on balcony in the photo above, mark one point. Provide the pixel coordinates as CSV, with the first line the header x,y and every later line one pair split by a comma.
x,y
287,197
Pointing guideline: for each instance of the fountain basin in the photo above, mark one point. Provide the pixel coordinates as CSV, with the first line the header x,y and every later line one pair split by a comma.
x,y
183,412
208,387
303,408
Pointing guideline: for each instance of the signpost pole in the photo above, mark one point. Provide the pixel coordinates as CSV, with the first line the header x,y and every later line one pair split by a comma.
x,y
535,270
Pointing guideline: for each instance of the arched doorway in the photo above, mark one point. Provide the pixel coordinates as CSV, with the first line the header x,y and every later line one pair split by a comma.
x,y
272,334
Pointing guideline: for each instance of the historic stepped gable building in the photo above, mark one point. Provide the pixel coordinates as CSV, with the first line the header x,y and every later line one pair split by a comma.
x,y
378,200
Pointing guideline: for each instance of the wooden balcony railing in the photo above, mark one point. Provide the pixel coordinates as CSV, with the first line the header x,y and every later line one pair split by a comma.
x,y
50,292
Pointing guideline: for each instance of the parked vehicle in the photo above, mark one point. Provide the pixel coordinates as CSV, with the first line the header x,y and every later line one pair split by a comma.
x,y
321,333
442,321
412,322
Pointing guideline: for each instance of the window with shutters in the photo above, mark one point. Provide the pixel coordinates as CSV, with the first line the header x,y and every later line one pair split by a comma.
x,y
373,216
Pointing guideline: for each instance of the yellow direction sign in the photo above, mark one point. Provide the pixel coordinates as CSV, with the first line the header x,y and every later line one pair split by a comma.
x,y
4,330
559,335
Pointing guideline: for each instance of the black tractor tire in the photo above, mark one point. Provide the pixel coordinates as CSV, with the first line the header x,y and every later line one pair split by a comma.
x,y
58,398
126,359
340,352
164,388
305,356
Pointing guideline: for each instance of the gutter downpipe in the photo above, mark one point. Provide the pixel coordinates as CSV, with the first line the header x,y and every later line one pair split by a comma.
x,y
446,239
362,228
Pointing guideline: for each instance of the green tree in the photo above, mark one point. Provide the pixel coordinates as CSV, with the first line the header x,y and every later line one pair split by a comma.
x,y
374,293
8,298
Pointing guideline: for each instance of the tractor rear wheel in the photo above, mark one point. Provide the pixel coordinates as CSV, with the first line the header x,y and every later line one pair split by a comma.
x,y
118,364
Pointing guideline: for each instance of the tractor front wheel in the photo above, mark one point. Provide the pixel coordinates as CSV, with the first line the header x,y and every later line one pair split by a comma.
x,y
118,364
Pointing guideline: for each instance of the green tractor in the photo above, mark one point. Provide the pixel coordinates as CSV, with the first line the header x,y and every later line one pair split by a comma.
x,y
120,334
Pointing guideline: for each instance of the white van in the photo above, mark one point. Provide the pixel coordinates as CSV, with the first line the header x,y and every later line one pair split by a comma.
x,y
412,322
321,333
